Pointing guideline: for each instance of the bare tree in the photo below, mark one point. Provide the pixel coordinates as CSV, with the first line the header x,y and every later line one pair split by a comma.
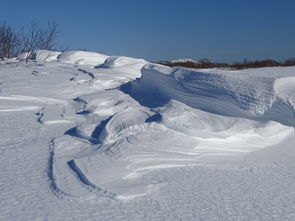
x,y
51,34
36,38
8,41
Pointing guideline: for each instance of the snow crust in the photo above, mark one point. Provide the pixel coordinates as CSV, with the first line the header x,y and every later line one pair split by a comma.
x,y
86,136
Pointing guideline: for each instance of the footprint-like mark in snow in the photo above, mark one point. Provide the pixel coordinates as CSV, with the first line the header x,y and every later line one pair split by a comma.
x,y
40,115
65,178
90,74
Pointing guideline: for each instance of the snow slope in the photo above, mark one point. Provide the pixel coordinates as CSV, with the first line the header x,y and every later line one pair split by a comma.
x,y
85,136
82,58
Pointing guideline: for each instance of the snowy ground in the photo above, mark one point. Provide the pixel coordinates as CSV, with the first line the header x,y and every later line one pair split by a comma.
x,y
85,136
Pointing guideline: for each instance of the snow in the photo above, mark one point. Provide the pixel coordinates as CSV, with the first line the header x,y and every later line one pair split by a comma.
x,y
184,60
41,55
85,136
122,61
45,55
23,56
82,58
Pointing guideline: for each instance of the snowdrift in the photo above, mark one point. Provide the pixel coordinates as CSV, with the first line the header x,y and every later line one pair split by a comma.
x,y
119,61
258,97
128,65
40,55
45,55
87,131
82,58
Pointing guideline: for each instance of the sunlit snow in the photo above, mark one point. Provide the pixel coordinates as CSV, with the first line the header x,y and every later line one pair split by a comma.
x,y
86,136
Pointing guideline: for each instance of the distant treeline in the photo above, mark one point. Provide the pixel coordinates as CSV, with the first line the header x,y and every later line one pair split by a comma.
x,y
205,63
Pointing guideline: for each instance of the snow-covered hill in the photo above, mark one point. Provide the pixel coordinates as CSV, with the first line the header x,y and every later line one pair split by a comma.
x,y
86,136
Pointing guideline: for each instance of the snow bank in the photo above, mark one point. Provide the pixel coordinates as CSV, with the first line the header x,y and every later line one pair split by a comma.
x,y
82,58
230,94
285,89
118,61
70,135
45,55
130,67
124,64
40,55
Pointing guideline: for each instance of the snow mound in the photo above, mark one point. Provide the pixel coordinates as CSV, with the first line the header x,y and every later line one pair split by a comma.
x,y
40,55
123,66
285,89
78,138
129,117
119,61
197,123
230,94
45,55
82,58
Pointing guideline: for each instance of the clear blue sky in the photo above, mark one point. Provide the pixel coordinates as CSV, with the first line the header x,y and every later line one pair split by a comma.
x,y
221,30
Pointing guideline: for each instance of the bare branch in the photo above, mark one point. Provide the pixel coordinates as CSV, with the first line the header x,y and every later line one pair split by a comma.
x,y
8,41
37,38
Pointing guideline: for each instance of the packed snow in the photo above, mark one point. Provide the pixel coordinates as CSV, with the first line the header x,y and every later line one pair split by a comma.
x,y
86,136
82,58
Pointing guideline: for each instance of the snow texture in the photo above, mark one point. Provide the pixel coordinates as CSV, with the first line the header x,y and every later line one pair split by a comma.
x,y
86,136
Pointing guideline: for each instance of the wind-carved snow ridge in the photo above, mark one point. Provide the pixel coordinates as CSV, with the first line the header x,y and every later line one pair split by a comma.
x,y
231,94
121,129
168,118
82,58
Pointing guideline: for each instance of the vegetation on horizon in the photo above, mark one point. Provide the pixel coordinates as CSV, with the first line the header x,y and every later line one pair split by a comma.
x,y
205,63
33,37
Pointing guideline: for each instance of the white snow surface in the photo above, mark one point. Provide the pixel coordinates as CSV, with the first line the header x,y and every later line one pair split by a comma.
x,y
45,55
82,58
41,55
85,136
183,60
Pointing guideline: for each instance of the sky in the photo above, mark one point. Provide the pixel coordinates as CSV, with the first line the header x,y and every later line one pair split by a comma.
x,y
220,30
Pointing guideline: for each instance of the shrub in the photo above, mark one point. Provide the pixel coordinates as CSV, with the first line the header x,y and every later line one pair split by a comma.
x,y
29,40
